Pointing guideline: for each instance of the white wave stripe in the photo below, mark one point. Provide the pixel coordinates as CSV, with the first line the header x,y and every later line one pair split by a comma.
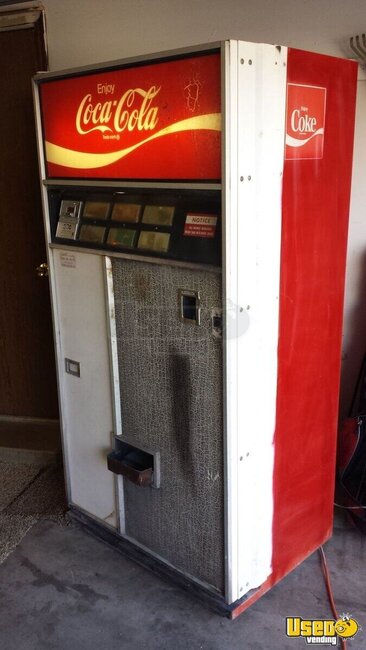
x,y
81,160
293,142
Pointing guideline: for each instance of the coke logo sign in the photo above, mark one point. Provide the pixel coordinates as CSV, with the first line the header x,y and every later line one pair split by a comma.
x,y
305,122
302,123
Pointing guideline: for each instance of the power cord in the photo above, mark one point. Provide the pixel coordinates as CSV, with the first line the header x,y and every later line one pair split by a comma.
x,y
330,591
350,507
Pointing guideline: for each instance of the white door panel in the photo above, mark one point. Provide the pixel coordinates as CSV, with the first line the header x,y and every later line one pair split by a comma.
x,y
86,400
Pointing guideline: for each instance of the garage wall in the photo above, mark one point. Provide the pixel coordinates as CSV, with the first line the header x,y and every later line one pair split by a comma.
x,y
82,32
354,324
86,31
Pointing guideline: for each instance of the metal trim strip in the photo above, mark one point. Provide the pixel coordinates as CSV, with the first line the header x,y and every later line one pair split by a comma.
x,y
132,184
138,258
115,388
129,61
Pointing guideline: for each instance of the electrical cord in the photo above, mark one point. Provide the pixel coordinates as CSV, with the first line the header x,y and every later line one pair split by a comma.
x,y
350,507
330,591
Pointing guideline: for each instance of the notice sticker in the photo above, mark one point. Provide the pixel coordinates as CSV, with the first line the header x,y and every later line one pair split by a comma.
x,y
68,260
200,225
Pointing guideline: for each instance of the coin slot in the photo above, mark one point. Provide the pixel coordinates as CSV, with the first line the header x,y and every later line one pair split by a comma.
x,y
189,303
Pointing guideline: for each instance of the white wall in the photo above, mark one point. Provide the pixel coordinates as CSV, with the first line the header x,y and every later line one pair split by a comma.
x,y
86,31
354,324
81,32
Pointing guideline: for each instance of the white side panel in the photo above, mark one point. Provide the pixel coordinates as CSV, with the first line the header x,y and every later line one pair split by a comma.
x,y
252,294
86,401
231,313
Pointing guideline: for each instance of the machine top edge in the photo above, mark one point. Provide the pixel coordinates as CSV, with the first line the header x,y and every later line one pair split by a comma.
x,y
155,57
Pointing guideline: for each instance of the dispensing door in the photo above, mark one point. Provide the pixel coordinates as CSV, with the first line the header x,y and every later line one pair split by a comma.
x,y
170,372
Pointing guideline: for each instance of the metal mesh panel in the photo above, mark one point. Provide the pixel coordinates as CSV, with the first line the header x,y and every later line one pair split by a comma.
x,y
171,398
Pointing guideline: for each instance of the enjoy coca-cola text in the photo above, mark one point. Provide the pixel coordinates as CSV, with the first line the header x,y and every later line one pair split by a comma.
x,y
133,111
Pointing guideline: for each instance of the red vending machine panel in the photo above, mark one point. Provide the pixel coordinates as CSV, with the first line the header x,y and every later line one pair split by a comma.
x,y
316,194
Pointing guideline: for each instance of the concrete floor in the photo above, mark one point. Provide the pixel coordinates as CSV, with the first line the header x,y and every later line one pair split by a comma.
x,y
62,589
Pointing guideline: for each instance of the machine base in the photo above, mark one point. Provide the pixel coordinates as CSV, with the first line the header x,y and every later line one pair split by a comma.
x,y
213,601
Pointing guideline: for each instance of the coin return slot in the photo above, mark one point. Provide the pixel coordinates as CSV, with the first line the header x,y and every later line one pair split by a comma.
x,y
190,310
136,465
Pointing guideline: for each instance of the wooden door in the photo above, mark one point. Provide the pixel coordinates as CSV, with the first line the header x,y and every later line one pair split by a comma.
x,y
27,365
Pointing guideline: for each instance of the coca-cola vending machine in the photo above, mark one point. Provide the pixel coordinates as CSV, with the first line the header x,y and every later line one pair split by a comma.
x,y
196,208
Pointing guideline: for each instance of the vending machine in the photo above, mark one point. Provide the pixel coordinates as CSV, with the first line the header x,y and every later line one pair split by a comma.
x,y
196,209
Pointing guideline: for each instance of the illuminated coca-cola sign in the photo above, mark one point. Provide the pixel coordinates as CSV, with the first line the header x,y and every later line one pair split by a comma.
x,y
305,122
156,121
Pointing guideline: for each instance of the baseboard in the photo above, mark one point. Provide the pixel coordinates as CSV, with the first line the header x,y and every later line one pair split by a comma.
x,y
29,420
29,456
30,434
